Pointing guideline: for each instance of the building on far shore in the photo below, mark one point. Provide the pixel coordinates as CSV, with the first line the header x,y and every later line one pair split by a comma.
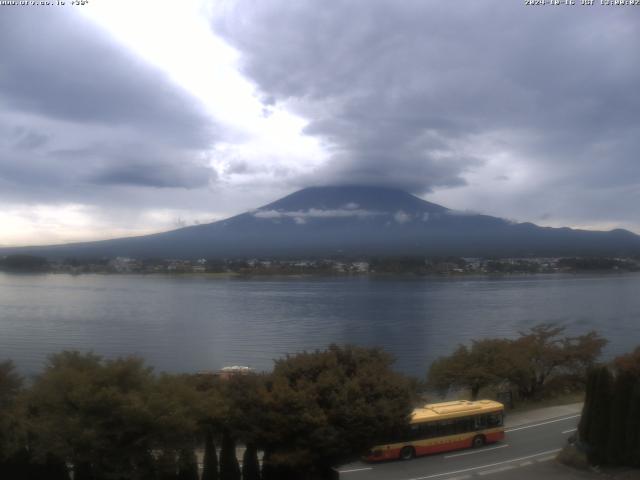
x,y
227,372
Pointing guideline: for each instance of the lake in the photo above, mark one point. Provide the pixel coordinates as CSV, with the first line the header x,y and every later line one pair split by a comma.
x,y
190,323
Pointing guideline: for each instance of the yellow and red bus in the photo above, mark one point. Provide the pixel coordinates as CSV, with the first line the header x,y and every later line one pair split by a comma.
x,y
439,427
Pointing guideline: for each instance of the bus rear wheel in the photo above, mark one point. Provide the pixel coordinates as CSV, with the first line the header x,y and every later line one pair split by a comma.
x,y
407,453
478,441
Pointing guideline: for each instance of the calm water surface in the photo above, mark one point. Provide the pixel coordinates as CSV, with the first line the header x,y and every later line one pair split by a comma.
x,y
197,323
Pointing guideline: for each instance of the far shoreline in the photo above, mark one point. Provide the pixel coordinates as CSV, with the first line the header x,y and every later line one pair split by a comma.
x,y
340,266
306,276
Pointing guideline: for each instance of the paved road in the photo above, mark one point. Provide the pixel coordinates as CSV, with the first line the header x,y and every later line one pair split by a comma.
x,y
523,446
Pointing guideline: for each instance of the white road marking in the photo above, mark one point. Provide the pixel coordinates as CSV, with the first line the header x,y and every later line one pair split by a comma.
x,y
543,423
476,451
570,430
355,470
545,459
487,466
527,463
497,470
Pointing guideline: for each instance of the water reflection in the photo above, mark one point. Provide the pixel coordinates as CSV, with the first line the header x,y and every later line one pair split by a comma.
x,y
194,323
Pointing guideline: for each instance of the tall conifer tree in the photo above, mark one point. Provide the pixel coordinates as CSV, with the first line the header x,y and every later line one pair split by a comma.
x,y
620,404
210,461
587,409
82,471
167,466
187,465
55,468
268,471
229,468
600,418
632,434
250,464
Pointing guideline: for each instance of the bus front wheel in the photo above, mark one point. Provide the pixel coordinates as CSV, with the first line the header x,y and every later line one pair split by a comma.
x,y
478,441
407,453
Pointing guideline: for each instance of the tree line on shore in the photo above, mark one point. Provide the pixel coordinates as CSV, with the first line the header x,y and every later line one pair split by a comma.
x,y
115,419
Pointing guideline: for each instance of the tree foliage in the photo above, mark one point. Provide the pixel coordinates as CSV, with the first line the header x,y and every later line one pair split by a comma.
x,y
326,406
94,413
629,363
115,419
12,426
108,416
527,363
23,263
10,383
242,405
475,367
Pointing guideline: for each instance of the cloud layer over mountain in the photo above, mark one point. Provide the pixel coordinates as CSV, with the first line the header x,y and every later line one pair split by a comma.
x,y
527,113
425,95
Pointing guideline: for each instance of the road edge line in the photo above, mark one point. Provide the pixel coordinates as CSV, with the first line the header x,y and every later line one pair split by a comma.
x,y
487,466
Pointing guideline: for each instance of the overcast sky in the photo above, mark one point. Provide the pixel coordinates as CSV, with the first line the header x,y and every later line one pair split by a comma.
x,y
121,118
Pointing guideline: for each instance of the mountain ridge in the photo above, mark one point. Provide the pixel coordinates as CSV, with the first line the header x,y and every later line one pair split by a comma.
x,y
353,221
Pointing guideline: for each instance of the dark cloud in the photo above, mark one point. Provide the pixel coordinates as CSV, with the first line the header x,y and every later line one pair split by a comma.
x,y
152,170
409,93
237,167
61,66
80,116
27,139
74,174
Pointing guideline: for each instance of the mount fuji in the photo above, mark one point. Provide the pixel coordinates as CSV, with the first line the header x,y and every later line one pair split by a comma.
x,y
353,221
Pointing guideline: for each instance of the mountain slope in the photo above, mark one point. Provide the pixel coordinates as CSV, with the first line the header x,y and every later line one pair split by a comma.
x,y
354,221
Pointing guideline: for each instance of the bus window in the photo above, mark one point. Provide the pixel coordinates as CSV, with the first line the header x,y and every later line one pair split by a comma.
x,y
429,430
444,428
464,425
481,422
494,419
